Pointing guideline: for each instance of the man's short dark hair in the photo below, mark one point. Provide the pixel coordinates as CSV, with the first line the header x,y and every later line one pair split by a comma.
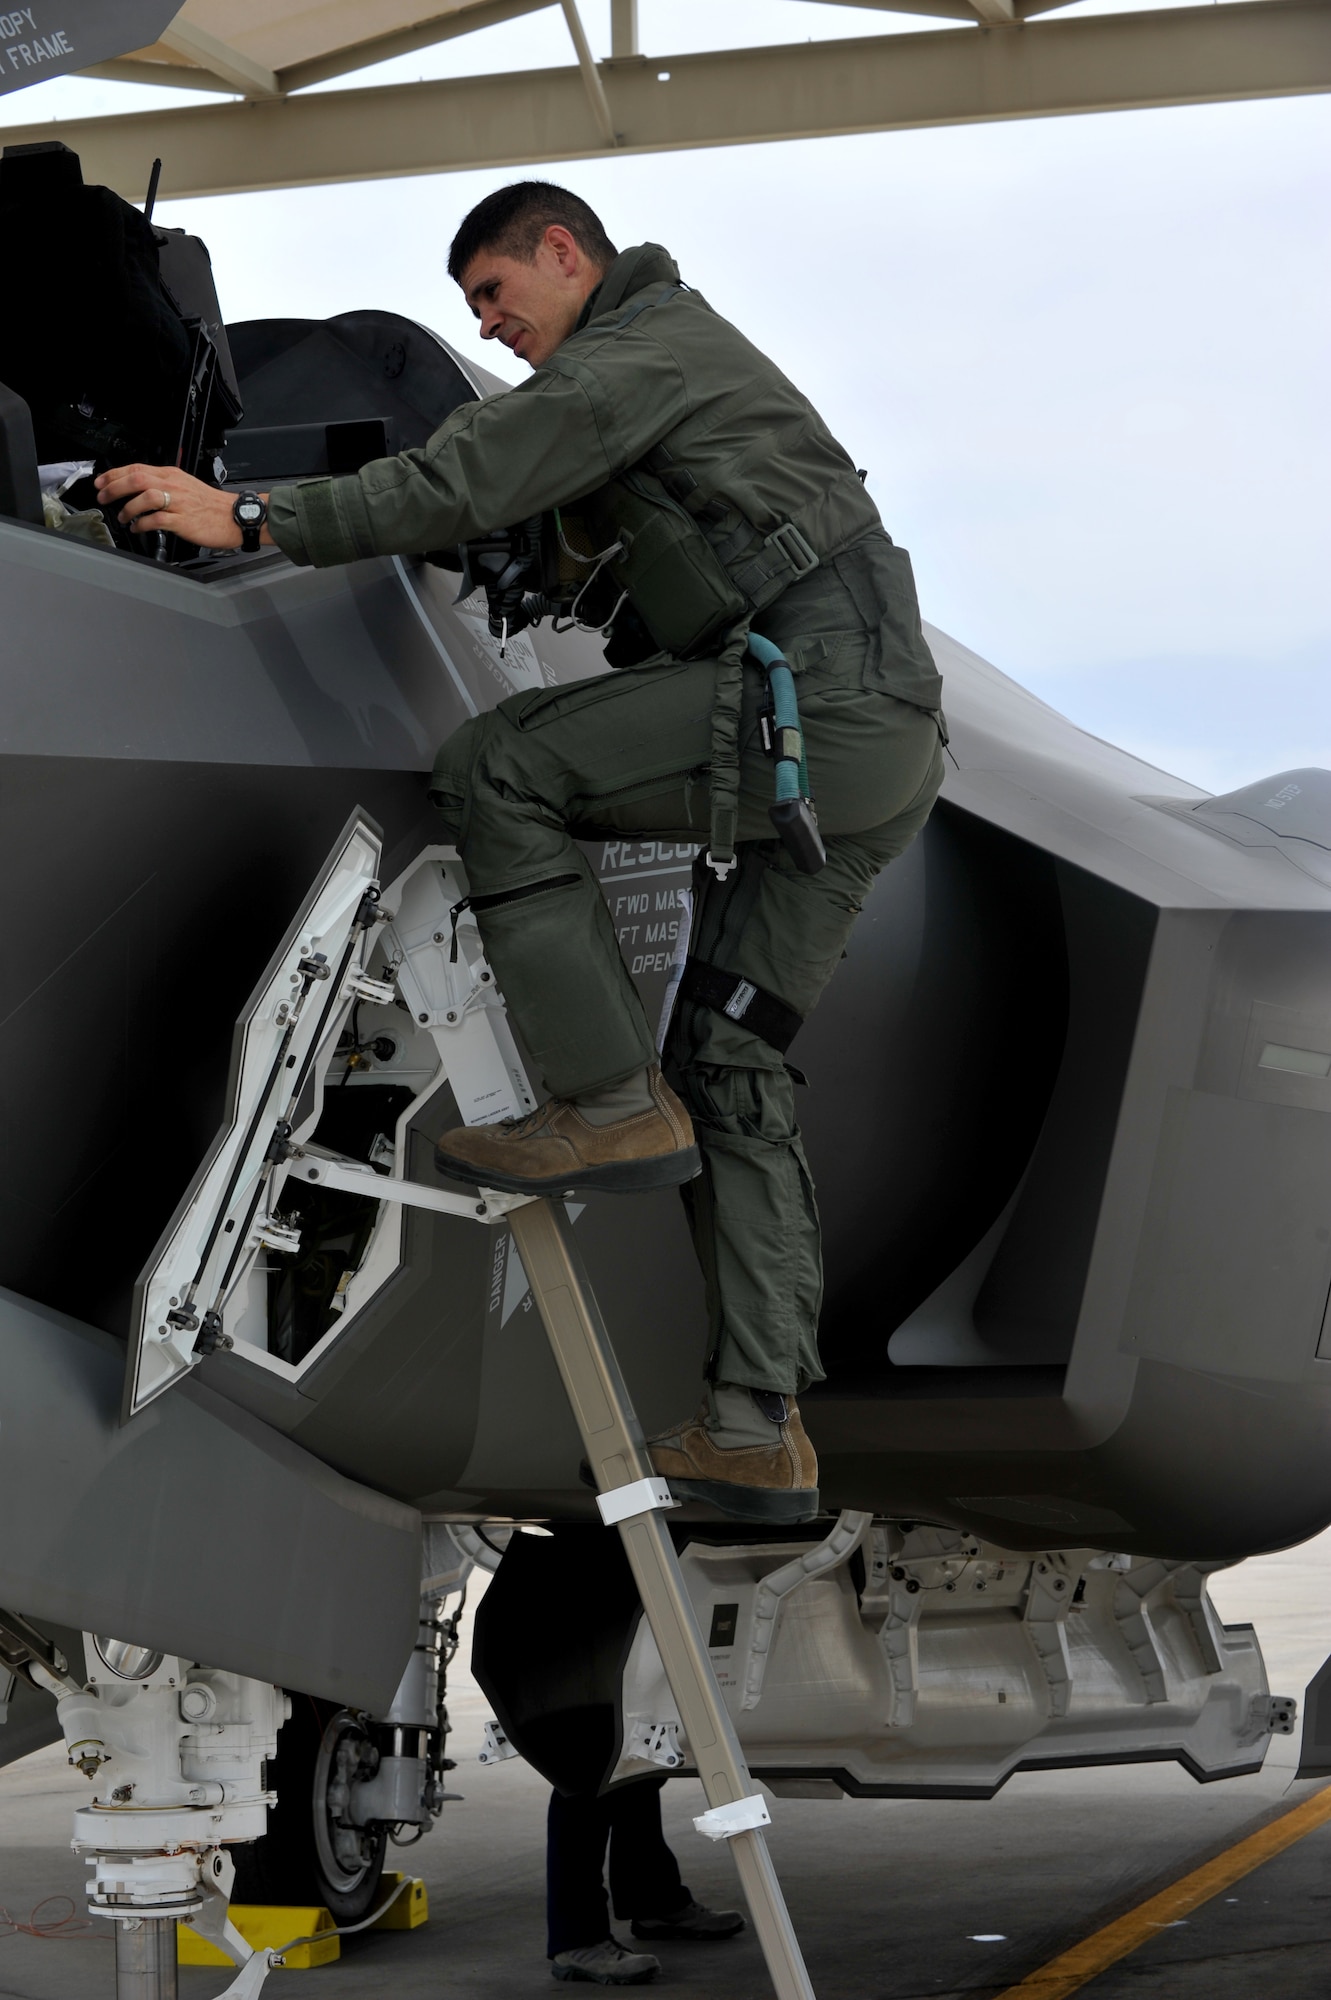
x,y
513,220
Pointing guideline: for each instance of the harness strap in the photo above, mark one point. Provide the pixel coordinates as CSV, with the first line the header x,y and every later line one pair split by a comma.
x,y
740,1000
723,767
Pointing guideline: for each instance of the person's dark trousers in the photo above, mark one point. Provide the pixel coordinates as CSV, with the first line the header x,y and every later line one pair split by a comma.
x,y
644,1875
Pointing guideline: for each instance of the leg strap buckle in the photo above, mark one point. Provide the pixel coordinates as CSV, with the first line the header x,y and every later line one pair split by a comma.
x,y
740,1000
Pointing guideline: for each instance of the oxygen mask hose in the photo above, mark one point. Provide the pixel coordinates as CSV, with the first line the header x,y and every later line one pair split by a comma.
x,y
793,814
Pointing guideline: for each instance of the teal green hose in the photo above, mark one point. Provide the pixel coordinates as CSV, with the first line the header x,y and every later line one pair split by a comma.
x,y
792,815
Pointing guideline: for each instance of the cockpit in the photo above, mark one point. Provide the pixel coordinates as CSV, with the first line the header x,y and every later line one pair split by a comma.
x,y
115,351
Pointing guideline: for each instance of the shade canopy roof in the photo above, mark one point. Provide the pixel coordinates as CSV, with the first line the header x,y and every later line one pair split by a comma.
x,y
266,47
983,59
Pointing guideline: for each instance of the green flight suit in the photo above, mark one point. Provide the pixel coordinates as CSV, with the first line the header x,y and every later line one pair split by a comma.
x,y
643,751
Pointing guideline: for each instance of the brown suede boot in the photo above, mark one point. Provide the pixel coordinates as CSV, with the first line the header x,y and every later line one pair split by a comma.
x,y
775,1484
555,1150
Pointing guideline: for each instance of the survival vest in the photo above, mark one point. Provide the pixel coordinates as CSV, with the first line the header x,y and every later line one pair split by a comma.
x,y
747,495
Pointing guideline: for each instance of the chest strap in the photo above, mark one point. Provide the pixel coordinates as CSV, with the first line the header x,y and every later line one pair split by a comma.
x,y
740,1000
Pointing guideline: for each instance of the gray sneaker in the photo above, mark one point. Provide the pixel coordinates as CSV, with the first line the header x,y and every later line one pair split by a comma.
x,y
606,1964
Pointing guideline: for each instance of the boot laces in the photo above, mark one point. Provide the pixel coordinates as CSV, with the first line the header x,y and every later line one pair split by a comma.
x,y
529,1122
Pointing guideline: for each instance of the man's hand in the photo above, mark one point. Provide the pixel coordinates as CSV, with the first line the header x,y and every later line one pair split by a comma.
x,y
163,497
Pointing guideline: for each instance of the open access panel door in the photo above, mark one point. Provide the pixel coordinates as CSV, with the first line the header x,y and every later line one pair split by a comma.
x,y
371,1007
286,1031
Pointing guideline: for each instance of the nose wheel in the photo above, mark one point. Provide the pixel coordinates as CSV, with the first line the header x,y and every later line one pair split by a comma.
x,y
350,1858
312,1853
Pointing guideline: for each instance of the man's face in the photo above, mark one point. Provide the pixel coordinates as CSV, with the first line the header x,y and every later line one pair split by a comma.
x,y
532,307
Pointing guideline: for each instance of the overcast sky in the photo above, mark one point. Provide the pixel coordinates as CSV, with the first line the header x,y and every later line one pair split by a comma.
x,y
1085,359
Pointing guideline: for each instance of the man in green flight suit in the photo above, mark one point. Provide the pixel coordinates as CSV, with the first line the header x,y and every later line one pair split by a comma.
x,y
691,484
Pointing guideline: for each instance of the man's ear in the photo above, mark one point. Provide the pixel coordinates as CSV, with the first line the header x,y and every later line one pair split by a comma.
x,y
564,247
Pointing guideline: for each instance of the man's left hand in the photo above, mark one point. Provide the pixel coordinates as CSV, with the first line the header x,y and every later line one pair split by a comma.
x,y
162,497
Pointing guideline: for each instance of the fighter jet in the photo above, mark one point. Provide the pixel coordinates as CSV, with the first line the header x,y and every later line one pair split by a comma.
x,y
269,1387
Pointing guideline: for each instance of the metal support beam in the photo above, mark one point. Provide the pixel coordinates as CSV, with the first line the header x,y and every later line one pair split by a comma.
x,y
623,29
233,68
591,76
1049,68
994,11
344,61
167,76
406,41
956,10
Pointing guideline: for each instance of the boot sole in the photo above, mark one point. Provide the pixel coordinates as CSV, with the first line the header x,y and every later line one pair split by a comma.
x,y
769,1508
686,1937
602,1979
615,1177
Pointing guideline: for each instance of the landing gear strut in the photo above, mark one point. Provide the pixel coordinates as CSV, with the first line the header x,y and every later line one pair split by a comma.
x,y
146,1958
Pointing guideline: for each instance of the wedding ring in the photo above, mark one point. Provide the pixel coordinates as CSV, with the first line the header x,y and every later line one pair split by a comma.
x,y
166,501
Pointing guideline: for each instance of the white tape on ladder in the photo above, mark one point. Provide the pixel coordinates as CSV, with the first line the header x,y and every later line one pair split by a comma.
x,y
740,1816
642,1496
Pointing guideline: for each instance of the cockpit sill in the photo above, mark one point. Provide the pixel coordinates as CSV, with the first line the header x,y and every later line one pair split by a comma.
x,y
209,566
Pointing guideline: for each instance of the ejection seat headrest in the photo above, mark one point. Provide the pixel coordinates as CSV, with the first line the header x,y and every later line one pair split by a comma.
x,y
89,337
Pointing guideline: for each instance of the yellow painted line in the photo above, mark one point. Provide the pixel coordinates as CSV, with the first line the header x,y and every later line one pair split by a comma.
x,y
1072,1970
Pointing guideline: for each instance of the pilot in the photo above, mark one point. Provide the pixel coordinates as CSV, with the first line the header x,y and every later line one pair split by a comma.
x,y
674,461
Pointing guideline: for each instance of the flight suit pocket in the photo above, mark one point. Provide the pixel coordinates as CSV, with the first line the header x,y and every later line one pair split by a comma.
x,y
543,705
879,577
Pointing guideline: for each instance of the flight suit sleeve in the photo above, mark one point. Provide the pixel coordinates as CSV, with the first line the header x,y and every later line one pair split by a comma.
x,y
582,417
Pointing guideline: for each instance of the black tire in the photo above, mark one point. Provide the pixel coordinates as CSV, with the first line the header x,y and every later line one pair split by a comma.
x,y
298,1859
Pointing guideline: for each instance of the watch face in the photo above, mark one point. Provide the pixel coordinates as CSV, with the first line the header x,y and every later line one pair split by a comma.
x,y
249,510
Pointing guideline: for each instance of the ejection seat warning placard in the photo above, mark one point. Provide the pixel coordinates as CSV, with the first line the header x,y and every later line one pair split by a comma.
x,y
53,37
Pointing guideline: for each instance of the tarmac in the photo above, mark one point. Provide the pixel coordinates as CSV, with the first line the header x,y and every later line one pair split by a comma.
x,y
892,1900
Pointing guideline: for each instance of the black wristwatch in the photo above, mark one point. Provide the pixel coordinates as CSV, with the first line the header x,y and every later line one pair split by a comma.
x,y
249,515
